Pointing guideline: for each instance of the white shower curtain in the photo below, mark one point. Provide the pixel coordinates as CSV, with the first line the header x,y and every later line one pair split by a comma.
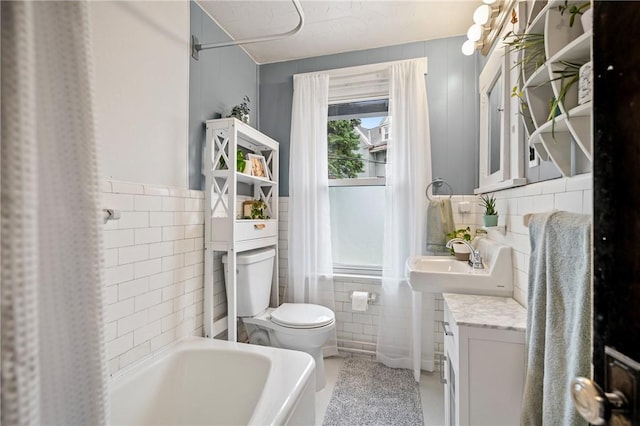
x,y
53,369
408,173
310,262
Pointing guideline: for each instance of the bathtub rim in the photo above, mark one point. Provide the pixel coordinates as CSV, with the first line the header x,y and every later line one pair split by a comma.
x,y
277,408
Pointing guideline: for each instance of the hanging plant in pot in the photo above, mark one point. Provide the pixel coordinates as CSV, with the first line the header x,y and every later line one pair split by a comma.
x,y
459,250
490,217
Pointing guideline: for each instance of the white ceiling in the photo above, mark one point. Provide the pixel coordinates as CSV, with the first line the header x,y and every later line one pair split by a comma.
x,y
338,26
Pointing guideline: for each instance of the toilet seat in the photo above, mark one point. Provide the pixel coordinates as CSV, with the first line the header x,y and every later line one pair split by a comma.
x,y
302,315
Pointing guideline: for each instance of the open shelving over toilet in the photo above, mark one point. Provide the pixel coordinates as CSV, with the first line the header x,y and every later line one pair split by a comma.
x,y
226,229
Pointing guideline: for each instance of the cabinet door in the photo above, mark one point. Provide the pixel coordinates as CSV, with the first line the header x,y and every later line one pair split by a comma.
x,y
495,370
494,115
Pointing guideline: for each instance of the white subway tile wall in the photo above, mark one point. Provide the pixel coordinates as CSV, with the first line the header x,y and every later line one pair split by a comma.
x,y
154,263
154,270
573,194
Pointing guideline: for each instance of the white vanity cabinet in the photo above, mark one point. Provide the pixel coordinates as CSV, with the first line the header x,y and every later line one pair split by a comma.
x,y
484,362
225,228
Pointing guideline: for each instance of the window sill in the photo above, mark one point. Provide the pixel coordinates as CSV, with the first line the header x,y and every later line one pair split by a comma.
x,y
356,273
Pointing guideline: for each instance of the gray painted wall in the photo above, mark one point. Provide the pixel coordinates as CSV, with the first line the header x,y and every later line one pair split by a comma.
x,y
452,92
217,82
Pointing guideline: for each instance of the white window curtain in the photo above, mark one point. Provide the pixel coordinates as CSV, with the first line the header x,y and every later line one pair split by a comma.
x,y
408,173
53,367
310,262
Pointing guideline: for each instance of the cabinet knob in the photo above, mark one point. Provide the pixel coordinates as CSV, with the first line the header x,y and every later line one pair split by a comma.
x,y
259,226
593,404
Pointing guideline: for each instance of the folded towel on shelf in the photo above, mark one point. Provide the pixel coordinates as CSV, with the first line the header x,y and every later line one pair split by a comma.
x,y
558,316
439,224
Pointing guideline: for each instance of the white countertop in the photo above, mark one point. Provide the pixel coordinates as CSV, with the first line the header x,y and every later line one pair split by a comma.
x,y
502,313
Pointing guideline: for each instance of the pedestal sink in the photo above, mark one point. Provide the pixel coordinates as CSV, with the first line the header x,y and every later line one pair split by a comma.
x,y
444,274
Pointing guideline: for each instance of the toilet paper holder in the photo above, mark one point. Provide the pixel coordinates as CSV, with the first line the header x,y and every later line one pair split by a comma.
x,y
373,297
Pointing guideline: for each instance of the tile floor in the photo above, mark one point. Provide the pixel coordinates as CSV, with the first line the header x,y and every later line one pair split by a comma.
x,y
431,393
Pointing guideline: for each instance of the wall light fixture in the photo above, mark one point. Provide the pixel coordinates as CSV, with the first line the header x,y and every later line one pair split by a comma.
x,y
489,19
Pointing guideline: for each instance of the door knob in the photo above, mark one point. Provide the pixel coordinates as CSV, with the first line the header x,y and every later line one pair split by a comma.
x,y
593,404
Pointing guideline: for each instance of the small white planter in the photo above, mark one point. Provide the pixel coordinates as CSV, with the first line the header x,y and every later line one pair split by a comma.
x,y
585,83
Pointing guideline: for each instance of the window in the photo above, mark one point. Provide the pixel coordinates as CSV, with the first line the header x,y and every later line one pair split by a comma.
x,y
358,133
357,172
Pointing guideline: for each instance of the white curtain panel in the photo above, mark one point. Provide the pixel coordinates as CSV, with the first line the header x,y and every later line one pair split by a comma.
x,y
408,173
310,262
53,367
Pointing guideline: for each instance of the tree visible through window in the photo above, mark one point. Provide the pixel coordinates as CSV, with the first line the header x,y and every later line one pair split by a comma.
x,y
343,145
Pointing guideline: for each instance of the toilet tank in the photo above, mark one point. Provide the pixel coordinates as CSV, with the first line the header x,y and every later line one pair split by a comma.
x,y
254,274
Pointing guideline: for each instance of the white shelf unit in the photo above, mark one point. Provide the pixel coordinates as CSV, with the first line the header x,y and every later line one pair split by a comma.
x,y
225,231
568,138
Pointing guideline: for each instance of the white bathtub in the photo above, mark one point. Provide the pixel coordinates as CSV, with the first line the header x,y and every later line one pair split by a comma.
x,y
199,381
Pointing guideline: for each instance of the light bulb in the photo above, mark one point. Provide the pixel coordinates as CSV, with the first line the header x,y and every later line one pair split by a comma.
x,y
468,47
475,32
482,14
488,1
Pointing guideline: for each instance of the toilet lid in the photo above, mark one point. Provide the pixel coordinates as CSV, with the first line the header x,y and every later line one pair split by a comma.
x,y
302,315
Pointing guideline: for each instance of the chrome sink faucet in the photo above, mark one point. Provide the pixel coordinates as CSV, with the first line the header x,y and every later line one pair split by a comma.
x,y
475,260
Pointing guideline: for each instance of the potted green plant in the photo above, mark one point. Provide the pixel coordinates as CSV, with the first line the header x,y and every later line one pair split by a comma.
x,y
258,210
241,111
578,9
241,162
490,217
459,250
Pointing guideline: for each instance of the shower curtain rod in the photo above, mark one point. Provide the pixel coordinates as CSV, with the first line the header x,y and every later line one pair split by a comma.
x,y
196,47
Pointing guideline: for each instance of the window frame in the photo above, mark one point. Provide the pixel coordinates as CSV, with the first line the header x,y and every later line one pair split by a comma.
x,y
357,270
358,84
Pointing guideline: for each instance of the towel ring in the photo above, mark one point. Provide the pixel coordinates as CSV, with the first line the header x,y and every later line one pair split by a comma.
x,y
437,182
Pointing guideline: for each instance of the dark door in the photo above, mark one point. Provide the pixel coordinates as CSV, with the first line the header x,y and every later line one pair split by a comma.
x,y
616,200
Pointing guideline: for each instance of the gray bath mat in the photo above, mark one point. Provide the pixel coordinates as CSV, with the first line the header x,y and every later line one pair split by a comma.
x,y
369,393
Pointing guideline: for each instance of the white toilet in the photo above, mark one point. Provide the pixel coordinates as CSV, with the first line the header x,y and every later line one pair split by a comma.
x,y
299,326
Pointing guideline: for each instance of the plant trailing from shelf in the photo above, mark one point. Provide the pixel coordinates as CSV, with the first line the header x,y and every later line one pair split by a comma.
x,y
524,111
241,111
574,10
531,48
490,217
463,233
568,76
